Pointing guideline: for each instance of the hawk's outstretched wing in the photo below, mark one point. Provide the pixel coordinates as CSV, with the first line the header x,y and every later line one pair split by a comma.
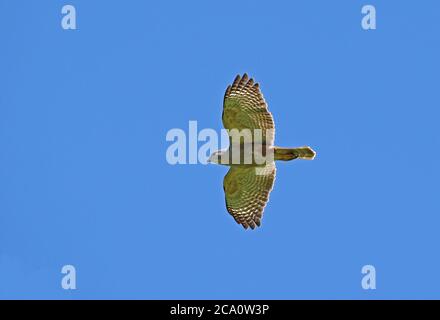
x,y
247,191
244,108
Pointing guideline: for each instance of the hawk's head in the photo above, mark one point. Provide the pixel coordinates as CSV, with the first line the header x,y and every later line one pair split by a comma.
x,y
218,156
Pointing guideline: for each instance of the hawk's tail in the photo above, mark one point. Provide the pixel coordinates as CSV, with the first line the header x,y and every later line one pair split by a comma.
x,y
287,154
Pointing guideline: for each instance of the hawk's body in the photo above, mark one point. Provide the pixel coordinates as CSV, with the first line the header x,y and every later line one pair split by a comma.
x,y
248,183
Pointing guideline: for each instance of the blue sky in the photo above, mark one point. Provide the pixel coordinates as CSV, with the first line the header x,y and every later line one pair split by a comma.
x,y
83,174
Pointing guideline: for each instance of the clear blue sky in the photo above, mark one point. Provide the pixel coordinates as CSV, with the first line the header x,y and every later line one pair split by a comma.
x,y
83,174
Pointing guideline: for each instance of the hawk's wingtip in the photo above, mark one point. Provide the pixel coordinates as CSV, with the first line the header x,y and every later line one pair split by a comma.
x,y
314,153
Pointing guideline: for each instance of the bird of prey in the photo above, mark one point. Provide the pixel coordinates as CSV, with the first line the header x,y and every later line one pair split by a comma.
x,y
248,183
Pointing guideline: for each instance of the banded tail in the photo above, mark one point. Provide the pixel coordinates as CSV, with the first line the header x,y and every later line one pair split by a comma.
x,y
286,154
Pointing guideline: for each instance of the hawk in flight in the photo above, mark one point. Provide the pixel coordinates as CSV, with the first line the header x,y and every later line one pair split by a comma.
x,y
249,181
